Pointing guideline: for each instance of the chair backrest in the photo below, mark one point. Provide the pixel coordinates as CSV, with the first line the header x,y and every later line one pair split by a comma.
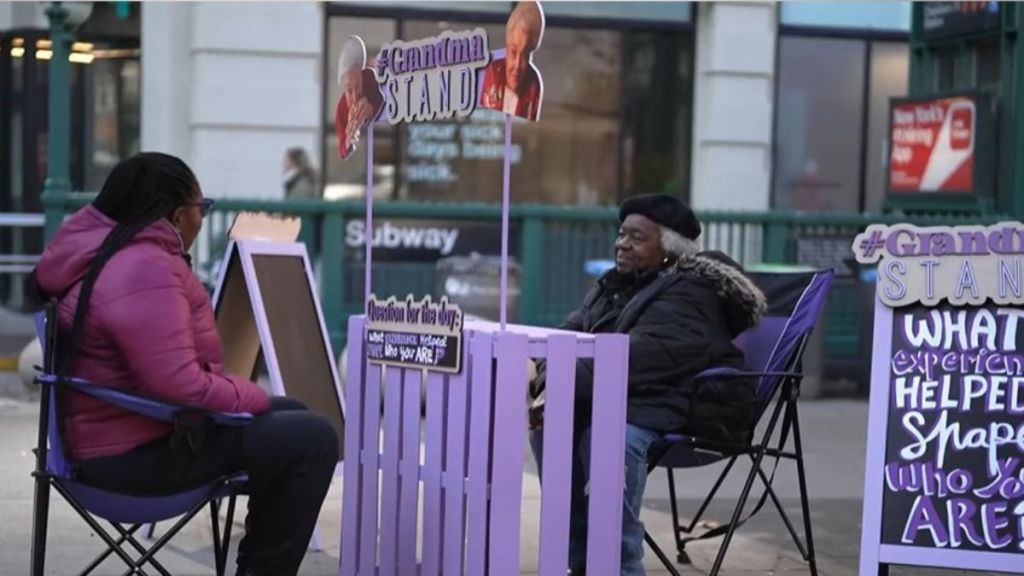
x,y
795,302
46,330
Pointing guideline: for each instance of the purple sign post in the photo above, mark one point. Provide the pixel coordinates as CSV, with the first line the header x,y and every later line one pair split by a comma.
x,y
944,485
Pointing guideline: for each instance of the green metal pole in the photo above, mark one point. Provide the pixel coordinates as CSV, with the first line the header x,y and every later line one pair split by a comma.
x,y
58,179
332,277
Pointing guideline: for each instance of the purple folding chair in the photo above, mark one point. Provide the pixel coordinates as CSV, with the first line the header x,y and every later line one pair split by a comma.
x,y
54,469
773,350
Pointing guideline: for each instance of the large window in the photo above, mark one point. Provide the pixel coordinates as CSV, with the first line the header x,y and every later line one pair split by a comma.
x,y
615,117
832,103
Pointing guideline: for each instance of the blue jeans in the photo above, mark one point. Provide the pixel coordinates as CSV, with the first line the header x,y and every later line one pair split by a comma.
x,y
638,441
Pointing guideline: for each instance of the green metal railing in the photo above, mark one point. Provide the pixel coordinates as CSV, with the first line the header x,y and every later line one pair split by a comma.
x,y
555,242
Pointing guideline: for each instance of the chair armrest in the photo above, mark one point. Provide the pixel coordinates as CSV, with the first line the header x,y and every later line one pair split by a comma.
x,y
146,406
734,374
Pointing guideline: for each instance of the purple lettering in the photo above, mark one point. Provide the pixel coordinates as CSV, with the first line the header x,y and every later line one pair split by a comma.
x,y
425,100
960,481
892,242
1004,469
1001,241
408,93
897,289
398,57
467,94
973,243
929,277
942,243
903,478
967,281
961,513
445,106
992,520
923,517
478,50
413,59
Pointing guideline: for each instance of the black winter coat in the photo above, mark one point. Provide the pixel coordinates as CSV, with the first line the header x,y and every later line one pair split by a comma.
x,y
681,321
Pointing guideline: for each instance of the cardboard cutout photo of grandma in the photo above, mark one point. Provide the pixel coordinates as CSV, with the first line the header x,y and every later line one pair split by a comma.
x,y
361,99
512,83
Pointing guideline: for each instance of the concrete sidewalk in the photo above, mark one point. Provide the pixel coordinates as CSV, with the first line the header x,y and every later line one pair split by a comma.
x,y
834,436
16,330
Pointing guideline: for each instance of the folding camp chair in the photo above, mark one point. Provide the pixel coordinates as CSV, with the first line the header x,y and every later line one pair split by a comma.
x,y
774,348
126,514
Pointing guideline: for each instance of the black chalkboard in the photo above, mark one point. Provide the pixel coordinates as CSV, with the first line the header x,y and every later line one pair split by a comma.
x,y
955,430
302,354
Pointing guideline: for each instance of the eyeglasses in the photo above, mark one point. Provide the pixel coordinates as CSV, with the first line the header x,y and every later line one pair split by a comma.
x,y
204,205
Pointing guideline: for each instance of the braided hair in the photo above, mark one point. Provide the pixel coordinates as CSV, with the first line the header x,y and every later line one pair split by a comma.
x,y
138,192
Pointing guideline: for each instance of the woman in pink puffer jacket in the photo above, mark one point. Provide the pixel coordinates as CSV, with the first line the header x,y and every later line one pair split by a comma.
x,y
134,316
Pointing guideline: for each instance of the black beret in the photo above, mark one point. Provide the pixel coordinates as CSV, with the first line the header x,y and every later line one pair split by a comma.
x,y
664,209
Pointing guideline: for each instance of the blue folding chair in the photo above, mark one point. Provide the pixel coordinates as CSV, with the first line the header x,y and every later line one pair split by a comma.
x,y
125,513
774,348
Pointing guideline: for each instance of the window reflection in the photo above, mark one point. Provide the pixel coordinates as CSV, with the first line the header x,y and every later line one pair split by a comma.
x,y
112,116
820,114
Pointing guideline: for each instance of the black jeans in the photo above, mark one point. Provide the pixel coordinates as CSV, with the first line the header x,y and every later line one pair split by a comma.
x,y
289,454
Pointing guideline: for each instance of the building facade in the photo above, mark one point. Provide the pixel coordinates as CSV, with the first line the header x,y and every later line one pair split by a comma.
x,y
727,104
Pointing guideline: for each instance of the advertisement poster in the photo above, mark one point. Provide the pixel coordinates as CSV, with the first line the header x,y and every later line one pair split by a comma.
x,y
932,144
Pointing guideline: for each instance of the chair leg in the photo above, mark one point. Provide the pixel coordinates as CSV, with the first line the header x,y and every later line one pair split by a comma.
x,y
661,555
114,546
150,531
125,535
166,538
215,527
681,556
226,543
711,495
40,515
128,536
782,512
745,494
804,501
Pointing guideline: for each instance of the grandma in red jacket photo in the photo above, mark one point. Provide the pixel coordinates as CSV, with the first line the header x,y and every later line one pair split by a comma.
x,y
513,84
135,317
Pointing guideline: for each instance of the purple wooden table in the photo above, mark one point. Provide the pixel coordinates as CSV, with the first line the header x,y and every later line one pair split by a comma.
x,y
471,470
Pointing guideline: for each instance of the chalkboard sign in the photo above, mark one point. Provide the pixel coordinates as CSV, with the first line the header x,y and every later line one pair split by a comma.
x,y
944,485
303,359
414,334
955,432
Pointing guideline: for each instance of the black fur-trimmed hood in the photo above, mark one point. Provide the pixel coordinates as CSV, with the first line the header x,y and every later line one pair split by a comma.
x,y
744,302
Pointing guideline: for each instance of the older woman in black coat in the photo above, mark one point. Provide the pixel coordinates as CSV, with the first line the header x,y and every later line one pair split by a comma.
x,y
681,308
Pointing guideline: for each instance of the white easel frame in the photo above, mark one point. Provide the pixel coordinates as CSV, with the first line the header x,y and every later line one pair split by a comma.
x,y
246,249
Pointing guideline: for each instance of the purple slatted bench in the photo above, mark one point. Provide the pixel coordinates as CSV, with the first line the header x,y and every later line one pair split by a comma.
x,y
471,468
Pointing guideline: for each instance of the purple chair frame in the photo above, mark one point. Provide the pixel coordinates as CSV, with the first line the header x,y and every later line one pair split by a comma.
x,y
472,468
54,469
775,350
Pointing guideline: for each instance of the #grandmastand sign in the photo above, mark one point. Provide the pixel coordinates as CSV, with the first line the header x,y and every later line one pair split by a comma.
x,y
944,474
